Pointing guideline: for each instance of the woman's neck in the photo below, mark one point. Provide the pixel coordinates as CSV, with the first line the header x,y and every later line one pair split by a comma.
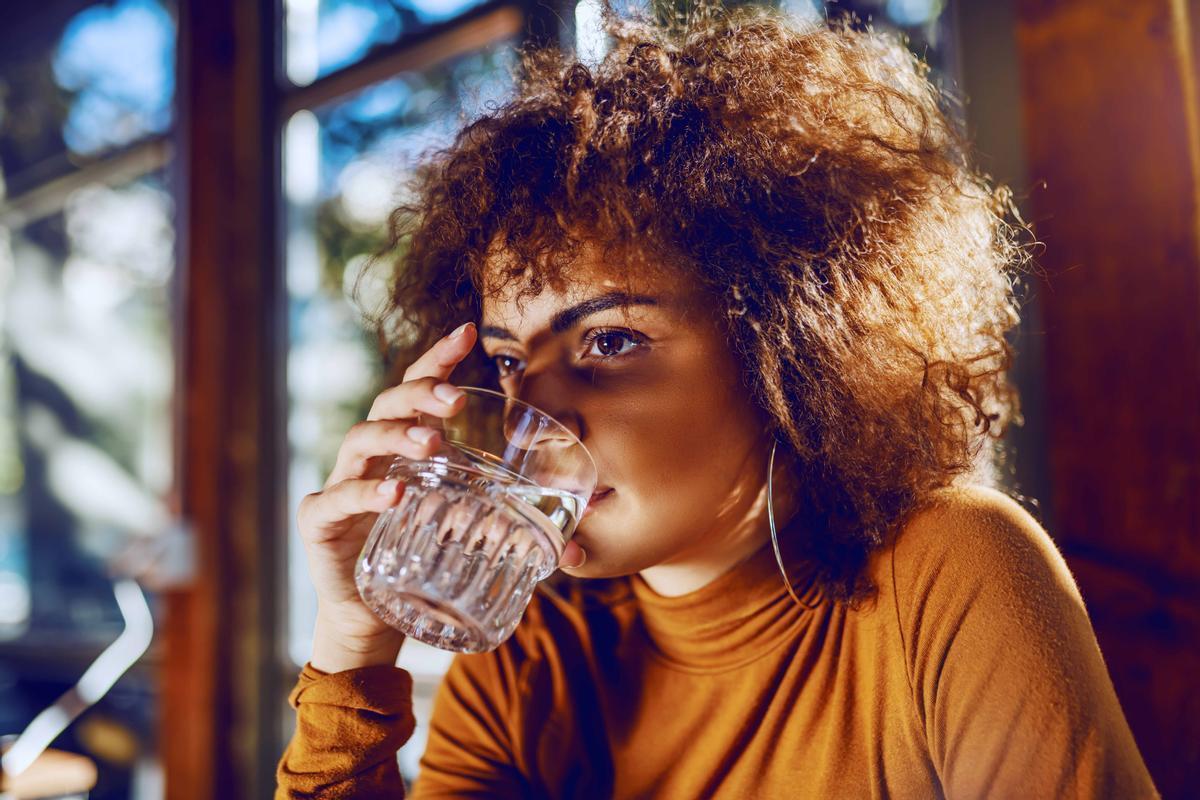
x,y
741,528
678,577
736,535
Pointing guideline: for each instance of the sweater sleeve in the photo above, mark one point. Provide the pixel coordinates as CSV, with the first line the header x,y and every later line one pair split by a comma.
x,y
1006,673
349,726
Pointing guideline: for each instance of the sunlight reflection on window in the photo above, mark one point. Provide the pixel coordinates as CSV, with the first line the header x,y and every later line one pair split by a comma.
x,y
804,9
88,374
118,62
14,556
914,12
591,43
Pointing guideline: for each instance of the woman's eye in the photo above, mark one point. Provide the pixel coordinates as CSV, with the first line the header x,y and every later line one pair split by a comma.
x,y
612,344
601,344
505,365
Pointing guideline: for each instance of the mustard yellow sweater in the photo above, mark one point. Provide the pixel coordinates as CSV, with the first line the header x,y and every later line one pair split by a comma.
x,y
973,673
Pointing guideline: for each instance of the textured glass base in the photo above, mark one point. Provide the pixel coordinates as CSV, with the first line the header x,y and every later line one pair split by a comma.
x,y
454,564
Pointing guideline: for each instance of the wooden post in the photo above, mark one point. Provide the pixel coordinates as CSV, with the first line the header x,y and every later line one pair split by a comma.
x,y
220,704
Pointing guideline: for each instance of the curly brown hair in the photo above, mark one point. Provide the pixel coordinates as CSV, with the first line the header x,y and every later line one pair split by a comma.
x,y
810,178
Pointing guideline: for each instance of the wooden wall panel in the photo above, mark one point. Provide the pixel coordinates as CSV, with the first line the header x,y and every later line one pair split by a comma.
x,y
1110,125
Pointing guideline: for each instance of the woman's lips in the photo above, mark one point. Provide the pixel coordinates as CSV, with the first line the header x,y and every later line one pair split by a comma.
x,y
597,496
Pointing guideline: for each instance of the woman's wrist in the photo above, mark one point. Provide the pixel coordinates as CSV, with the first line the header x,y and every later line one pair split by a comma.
x,y
335,650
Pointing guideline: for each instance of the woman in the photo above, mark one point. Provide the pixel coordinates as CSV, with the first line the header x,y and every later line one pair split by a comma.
x,y
749,263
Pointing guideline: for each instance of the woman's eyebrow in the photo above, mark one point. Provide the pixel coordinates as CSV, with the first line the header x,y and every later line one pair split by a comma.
x,y
565,319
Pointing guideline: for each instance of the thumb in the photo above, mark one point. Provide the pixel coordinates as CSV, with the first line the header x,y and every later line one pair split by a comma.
x,y
573,556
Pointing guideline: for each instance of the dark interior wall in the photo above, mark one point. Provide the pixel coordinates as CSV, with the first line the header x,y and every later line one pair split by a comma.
x,y
1089,109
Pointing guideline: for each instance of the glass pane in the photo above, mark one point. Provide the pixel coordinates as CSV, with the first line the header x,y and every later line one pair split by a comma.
x,y
84,398
343,167
85,448
102,82
325,35
87,272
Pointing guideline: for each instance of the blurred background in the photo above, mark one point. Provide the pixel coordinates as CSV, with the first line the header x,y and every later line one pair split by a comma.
x,y
188,189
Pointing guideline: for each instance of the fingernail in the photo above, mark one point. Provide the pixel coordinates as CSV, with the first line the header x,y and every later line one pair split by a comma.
x,y
447,393
459,331
419,433
387,487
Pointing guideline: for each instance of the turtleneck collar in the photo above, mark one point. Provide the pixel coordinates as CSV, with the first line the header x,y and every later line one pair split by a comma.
x,y
736,618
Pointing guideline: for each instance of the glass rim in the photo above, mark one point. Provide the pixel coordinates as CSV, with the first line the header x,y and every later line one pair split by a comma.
x,y
485,392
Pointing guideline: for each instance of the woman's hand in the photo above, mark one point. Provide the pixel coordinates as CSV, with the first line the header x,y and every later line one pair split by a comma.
x,y
335,521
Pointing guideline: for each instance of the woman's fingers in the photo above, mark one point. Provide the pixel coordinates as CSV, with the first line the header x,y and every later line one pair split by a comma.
x,y
441,359
428,394
320,514
389,428
370,439
573,555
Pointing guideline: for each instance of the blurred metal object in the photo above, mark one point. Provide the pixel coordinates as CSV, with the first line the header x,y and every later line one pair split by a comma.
x,y
110,665
160,562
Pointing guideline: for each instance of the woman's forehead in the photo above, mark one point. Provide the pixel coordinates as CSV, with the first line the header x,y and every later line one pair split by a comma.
x,y
557,306
594,278
591,272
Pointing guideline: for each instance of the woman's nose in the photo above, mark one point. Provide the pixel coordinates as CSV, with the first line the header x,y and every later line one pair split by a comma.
x,y
529,431
547,444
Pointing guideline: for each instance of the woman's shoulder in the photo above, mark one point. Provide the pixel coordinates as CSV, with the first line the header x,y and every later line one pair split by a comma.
x,y
960,537
1004,669
972,569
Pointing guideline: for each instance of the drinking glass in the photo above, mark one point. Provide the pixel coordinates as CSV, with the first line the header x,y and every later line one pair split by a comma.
x,y
481,521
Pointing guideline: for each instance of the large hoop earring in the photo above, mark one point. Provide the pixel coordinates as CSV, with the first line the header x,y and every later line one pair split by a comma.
x,y
774,536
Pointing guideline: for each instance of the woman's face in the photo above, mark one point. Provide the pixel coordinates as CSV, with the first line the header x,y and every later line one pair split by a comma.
x,y
646,379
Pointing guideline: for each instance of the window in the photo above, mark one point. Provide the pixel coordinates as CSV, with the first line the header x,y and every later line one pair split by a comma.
x,y
87,280
323,36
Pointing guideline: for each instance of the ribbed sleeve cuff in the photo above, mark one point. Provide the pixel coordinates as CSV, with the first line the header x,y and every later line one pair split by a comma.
x,y
349,726
383,689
